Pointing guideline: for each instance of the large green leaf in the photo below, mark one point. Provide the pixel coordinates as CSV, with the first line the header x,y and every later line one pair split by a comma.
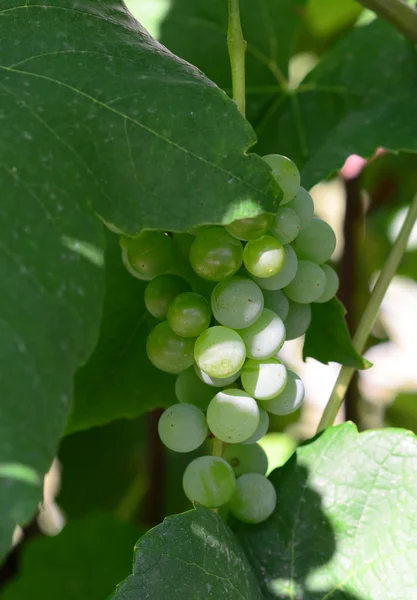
x,y
86,561
96,118
345,523
193,556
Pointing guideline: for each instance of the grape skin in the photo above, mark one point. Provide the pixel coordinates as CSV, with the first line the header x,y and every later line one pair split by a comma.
x,y
246,459
276,301
237,302
215,254
168,351
215,381
220,352
302,204
189,314
290,399
286,226
332,284
264,257
209,480
316,241
233,416
182,427
262,428
308,284
250,228
264,379
285,173
254,499
285,276
150,254
264,338
298,320
190,389
161,291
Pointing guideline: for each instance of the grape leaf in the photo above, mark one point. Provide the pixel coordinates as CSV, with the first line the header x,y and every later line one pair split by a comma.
x,y
97,119
328,340
345,524
85,560
193,556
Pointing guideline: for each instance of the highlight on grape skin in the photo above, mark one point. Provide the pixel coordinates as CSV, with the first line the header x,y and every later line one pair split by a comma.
x,y
244,290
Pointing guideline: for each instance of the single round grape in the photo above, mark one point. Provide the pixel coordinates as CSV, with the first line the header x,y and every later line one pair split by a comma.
x,y
251,228
254,499
168,351
265,337
215,254
237,302
246,459
220,352
262,428
264,379
189,314
150,254
286,174
182,427
209,480
303,205
190,389
264,257
285,276
233,416
332,284
183,242
308,283
215,381
276,301
286,226
316,241
160,292
298,320
290,399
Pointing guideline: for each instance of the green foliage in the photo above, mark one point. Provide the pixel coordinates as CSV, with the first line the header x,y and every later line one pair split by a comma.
x,y
81,562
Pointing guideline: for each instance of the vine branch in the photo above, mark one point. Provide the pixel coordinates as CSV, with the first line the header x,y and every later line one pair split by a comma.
x,y
400,15
369,316
237,48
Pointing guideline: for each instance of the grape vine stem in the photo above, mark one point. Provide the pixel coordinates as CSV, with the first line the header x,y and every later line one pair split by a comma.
x,y
237,48
369,316
400,15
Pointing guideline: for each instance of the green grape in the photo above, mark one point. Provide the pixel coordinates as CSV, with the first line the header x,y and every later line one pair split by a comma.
x,y
298,320
189,314
303,205
220,352
332,284
215,381
285,276
308,284
254,499
251,228
160,292
264,257
237,302
183,242
265,337
286,174
286,226
246,459
150,254
316,241
215,254
209,480
263,379
262,428
190,389
168,351
233,416
277,301
290,399
182,427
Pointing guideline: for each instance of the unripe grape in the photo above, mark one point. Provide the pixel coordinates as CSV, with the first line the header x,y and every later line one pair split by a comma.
x,y
308,284
220,352
190,389
182,427
160,292
246,459
215,382
290,399
264,338
303,205
276,301
284,276
209,480
286,174
251,228
264,257
168,351
233,416
298,320
215,254
262,428
237,302
150,254
189,314
286,225
332,284
264,379
316,241
254,499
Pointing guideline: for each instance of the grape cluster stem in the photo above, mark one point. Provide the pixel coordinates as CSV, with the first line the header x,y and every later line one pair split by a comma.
x,y
237,48
369,316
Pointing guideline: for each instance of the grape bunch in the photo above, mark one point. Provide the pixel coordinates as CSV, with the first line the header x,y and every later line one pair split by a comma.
x,y
227,299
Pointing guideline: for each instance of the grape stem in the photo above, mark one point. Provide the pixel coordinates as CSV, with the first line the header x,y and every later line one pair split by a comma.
x,y
217,449
237,48
369,316
400,15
